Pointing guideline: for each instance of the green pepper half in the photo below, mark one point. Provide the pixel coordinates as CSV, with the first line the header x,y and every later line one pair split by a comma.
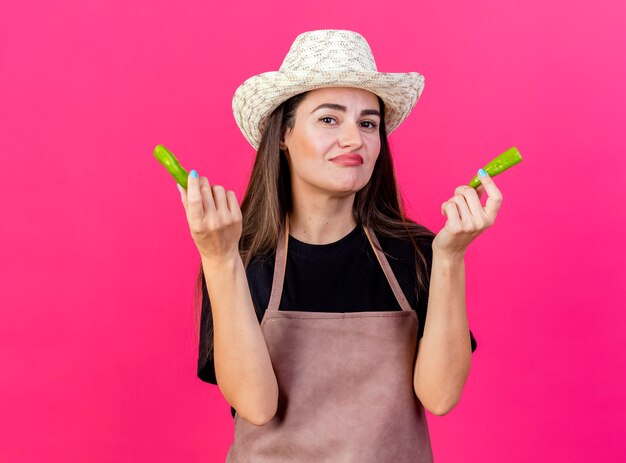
x,y
172,165
507,159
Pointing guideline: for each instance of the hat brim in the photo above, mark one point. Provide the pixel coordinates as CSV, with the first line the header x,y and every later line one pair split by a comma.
x,y
259,95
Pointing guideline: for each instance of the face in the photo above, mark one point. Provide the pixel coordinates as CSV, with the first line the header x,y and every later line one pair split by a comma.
x,y
332,122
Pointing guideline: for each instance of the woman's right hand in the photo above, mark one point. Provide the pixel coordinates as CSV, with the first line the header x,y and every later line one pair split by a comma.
x,y
214,218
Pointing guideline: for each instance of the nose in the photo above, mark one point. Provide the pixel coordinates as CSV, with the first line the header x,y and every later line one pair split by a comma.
x,y
350,136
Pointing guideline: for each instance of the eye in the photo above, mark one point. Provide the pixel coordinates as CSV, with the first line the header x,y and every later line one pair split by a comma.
x,y
371,125
326,118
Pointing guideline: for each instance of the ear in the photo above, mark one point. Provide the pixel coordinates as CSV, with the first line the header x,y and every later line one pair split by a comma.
x,y
281,143
287,132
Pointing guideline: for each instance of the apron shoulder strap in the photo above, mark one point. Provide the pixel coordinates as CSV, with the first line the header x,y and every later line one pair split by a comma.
x,y
280,264
384,263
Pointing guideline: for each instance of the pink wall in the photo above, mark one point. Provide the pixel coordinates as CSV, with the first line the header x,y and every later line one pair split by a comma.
x,y
97,268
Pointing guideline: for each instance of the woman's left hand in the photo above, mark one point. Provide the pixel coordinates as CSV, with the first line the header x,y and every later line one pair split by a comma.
x,y
467,218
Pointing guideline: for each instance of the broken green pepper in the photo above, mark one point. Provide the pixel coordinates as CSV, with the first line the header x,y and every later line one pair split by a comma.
x,y
172,165
498,165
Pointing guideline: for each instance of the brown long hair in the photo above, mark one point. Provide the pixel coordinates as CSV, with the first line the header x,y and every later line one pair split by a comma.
x,y
267,200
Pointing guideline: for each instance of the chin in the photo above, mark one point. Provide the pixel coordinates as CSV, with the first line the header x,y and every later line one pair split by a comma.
x,y
347,188
353,184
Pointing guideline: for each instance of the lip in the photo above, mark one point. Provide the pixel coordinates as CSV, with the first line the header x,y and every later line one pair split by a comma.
x,y
348,159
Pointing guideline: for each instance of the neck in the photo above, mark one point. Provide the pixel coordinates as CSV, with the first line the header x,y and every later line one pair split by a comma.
x,y
323,221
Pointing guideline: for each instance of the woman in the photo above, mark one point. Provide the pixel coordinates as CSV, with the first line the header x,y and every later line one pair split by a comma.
x,y
344,359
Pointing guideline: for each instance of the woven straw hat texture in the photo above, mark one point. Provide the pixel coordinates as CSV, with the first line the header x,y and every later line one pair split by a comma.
x,y
318,59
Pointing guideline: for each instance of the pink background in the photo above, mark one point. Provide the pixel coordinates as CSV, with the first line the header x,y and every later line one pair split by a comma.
x,y
97,268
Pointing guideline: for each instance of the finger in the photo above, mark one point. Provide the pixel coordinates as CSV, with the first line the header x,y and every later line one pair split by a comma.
x,y
473,201
233,204
219,196
207,195
183,194
195,209
452,213
464,212
494,196
480,189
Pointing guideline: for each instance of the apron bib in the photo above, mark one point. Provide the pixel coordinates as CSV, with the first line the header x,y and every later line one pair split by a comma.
x,y
345,384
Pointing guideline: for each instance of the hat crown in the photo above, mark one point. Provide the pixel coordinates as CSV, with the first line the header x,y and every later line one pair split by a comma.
x,y
320,59
326,50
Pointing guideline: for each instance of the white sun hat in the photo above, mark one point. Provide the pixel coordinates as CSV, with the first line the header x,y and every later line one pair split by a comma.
x,y
324,58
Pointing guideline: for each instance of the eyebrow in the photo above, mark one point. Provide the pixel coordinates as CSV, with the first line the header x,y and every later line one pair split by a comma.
x,y
339,107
